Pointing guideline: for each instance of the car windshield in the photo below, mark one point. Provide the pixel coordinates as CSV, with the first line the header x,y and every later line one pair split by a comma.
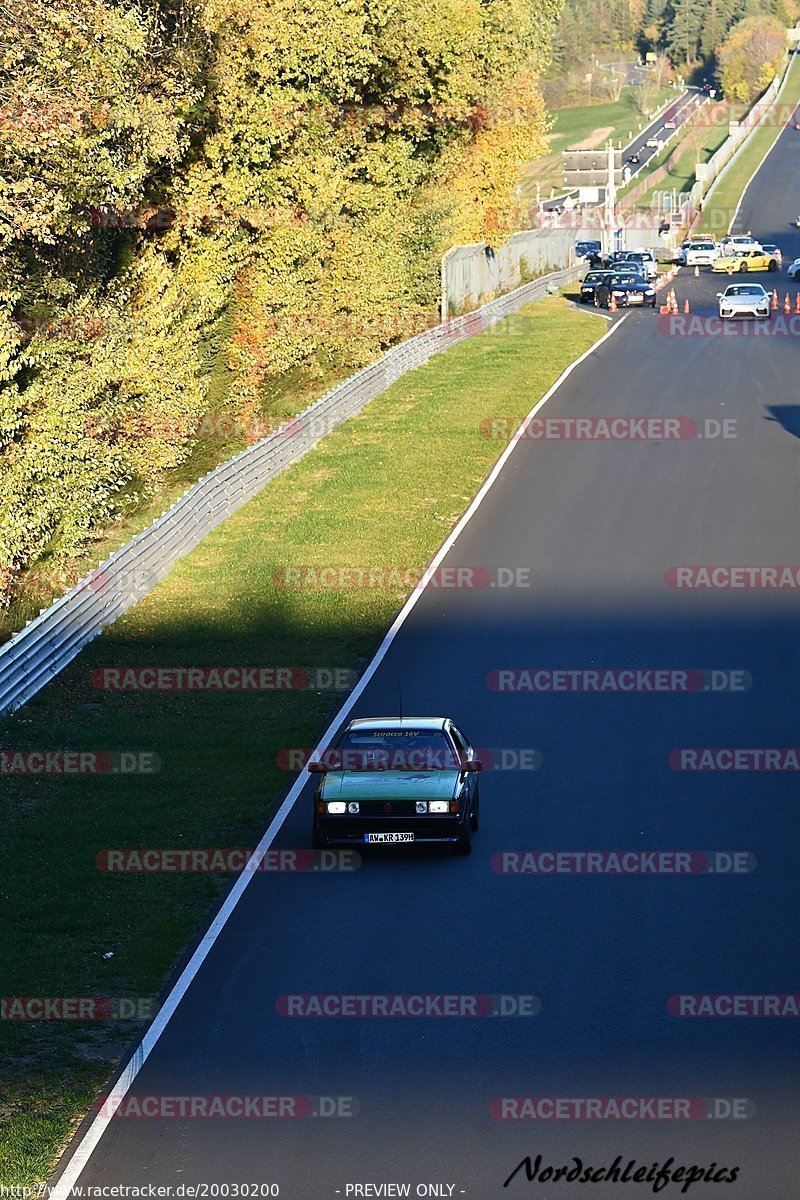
x,y
745,289
393,750
626,277
594,277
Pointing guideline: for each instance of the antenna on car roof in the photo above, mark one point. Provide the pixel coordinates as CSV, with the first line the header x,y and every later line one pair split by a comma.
x,y
400,695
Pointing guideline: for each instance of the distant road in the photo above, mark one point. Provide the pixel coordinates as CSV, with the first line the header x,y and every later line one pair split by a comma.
x,y
678,111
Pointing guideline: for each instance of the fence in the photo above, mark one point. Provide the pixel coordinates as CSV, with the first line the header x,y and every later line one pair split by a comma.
x,y
472,275
48,643
710,172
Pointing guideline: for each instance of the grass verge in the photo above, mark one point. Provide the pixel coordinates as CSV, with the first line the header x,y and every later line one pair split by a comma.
x,y
383,490
717,216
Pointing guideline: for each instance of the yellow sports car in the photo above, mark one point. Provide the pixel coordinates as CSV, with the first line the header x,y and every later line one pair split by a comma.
x,y
745,260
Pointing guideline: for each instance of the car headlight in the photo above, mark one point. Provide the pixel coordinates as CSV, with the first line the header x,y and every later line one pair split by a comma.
x,y
650,292
438,806
422,806
336,807
352,806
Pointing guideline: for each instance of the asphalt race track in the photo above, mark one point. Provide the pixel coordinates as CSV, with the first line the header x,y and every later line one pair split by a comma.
x,y
598,525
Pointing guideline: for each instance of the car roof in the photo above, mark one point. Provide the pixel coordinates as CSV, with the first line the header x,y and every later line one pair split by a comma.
x,y
431,723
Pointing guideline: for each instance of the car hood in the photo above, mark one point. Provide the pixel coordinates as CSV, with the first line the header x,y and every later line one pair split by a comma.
x,y
743,301
390,785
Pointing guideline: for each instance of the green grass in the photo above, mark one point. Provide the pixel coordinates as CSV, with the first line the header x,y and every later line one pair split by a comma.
x,y
384,489
574,125
718,213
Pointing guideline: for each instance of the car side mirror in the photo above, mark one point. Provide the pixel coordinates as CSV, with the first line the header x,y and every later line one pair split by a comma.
x,y
719,294
315,767
473,764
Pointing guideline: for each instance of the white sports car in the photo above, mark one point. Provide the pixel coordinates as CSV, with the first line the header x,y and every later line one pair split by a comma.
x,y
744,300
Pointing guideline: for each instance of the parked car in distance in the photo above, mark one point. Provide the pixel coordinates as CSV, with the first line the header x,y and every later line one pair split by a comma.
x,y
769,248
793,269
739,241
698,254
645,259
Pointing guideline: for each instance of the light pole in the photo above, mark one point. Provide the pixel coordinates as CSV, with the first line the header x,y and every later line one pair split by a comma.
x,y
611,192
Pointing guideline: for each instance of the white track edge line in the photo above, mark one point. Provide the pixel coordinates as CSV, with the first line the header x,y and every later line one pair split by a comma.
x,y
767,152
62,1189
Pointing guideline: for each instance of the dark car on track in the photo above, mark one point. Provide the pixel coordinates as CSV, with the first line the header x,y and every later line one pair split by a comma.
x,y
589,284
627,290
397,781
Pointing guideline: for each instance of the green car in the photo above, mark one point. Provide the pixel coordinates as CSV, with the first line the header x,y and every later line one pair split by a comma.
x,y
397,781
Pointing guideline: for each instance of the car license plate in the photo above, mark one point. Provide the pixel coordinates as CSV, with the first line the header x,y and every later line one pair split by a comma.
x,y
635,298
382,838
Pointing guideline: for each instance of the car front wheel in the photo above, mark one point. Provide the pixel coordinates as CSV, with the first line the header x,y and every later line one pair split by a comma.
x,y
773,266
464,843
476,811
743,268
318,839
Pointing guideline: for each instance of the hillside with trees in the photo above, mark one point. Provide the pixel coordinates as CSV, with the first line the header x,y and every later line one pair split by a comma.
x,y
687,33
203,199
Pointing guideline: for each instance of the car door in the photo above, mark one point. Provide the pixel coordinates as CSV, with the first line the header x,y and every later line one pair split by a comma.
x,y
469,779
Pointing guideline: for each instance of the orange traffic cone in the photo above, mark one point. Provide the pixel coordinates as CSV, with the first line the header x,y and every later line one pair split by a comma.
x,y
612,304
697,272
686,306
787,304
774,299
797,304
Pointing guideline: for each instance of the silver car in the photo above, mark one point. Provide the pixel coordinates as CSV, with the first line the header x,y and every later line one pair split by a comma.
x,y
743,300
700,254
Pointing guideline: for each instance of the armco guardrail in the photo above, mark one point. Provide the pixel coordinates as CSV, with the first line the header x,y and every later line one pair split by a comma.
x,y
39,651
